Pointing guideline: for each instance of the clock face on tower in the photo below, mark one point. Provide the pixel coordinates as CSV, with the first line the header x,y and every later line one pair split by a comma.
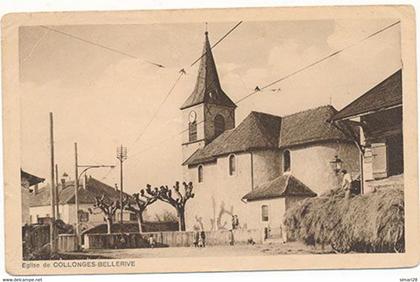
x,y
193,116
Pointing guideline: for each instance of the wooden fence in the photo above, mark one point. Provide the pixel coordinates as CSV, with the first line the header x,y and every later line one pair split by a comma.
x,y
169,239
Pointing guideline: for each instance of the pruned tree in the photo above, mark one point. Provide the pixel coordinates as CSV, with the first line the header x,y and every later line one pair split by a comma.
x,y
142,201
108,209
175,198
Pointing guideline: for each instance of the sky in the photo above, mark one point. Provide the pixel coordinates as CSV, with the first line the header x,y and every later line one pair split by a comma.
x,y
101,99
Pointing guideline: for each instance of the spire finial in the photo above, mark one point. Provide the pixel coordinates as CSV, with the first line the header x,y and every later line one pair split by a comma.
x,y
206,32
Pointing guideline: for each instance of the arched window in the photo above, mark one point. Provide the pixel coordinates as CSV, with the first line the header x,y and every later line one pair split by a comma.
x,y
286,161
192,131
200,174
232,165
219,125
264,213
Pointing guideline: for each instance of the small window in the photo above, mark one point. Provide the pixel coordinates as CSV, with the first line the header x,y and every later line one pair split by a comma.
x,y
264,213
286,161
133,217
192,130
219,125
83,216
232,165
200,174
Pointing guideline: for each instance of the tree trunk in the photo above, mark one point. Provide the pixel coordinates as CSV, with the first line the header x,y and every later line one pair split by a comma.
x,y
140,221
181,219
109,225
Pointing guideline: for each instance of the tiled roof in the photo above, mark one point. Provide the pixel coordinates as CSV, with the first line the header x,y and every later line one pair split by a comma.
x,y
265,131
386,94
283,186
207,87
257,131
32,179
94,188
310,126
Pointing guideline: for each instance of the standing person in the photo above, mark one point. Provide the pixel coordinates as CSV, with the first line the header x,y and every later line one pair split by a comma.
x,y
203,238
346,183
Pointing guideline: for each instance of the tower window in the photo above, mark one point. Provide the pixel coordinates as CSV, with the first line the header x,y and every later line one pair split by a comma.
x,y
200,174
192,130
219,125
232,165
286,161
264,213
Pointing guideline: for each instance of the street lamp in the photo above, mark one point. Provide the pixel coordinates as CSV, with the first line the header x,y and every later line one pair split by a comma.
x,y
76,185
336,164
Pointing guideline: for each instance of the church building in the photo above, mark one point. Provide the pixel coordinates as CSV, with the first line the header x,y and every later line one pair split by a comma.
x,y
259,168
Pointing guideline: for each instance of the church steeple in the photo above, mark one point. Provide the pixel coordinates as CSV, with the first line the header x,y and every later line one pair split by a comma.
x,y
208,111
207,87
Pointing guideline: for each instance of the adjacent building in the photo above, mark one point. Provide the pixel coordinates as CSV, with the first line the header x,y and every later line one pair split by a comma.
x,y
379,116
29,182
259,168
40,207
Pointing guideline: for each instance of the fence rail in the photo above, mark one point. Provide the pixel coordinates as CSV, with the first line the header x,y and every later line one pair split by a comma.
x,y
169,239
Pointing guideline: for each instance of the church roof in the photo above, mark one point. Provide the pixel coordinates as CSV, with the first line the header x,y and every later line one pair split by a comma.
x,y
265,131
386,94
256,131
94,188
310,126
282,186
207,87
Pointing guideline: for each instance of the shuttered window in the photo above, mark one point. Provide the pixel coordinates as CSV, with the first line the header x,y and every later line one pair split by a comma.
x,y
192,130
379,160
219,125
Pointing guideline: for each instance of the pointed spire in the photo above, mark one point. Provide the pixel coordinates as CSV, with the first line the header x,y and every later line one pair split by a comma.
x,y
207,87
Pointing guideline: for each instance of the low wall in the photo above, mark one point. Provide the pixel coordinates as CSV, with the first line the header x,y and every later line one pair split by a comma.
x,y
168,239
67,243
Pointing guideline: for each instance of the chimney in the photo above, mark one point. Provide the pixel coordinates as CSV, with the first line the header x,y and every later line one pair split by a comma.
x,y
36,189
116,187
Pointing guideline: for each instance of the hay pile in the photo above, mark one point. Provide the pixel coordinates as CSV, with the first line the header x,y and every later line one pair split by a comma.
x,y
364,223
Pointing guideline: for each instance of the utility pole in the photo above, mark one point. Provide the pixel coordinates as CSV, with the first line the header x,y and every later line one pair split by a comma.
x,y
122,156
52,188
77,176
76,192
57,198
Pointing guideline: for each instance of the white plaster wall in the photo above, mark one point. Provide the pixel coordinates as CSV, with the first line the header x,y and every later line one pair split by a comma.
x,y
311,164
267,166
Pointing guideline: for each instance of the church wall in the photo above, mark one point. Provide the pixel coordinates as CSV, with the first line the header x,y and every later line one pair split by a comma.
x,y
219,196
267,166
276,210
311,164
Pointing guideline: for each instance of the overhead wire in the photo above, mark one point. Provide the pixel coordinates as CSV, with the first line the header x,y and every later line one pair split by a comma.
x,y
285,77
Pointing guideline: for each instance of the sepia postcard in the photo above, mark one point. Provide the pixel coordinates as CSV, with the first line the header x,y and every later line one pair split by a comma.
x,y
210,140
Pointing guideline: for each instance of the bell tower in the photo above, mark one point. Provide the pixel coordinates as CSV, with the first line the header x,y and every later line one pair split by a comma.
x,y
208,111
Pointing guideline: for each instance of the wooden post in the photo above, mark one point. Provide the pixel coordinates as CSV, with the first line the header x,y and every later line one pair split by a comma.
x,y
52,188
76,193
57,198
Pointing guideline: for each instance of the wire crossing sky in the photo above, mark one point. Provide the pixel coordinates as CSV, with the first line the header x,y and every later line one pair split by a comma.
x,y
116,97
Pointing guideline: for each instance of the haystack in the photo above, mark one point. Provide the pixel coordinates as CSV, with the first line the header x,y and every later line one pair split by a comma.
x,y
372,222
